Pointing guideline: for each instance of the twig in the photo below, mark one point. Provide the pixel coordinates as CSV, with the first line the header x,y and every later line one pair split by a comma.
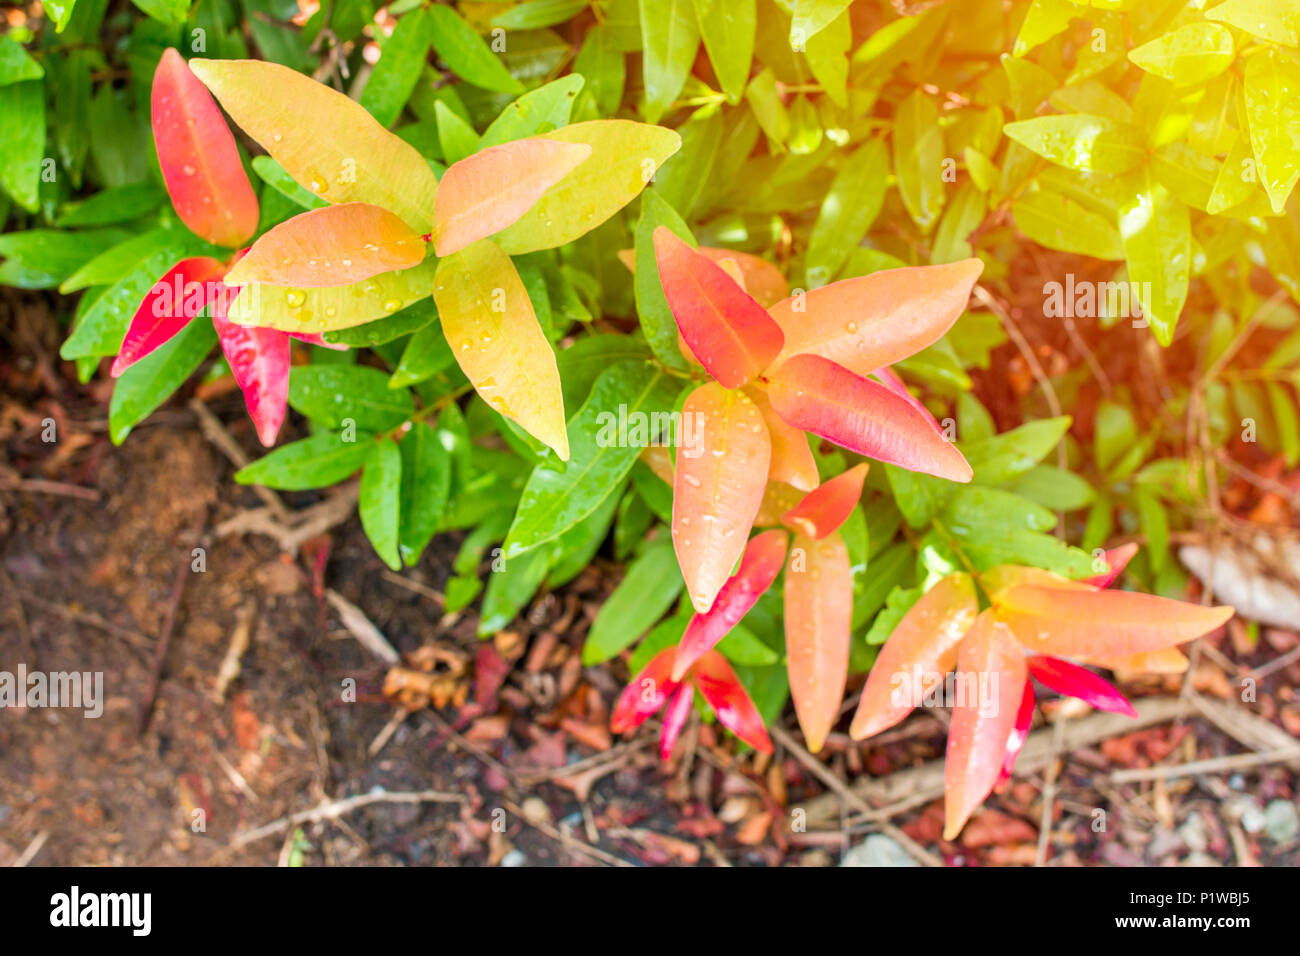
x,y
565,840
87,617
164,640
332,811
1210,765
44,487
367,635
216,433
33,848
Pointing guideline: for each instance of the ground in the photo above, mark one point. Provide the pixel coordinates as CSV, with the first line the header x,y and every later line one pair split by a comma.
x,y
245,722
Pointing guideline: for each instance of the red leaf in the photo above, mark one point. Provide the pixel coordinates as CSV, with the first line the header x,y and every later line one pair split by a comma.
x,y
764,555
1066,677
259,360
1019,733
1116,560
181,294
679,708
721,687
922,645
817,395
645,693
829,506
876,320
887,377
717,487
725,328
818,620
197,154
988,658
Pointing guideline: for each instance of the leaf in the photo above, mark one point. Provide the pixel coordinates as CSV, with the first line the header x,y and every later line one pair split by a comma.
x,y
315,462
1156,230
575,549
718,684
655,315
918,158
381,484
510,588
648,589
1267,19
730,333
413,318
1272,78
717,487
325,141
670,36
850,207
333,246
426,355
923,644
1054,488
22,130
684,179
533,14
150,382
332,307
982,722
484,193
466,53
559,495
176,298
121,204
259,361
818,613
645,694
494,335
15,64
792,460
817,395
810,17
1044,20
1081,141
42,258
1056,221
165,11
823,510
537,111
402,59
456,136
1097,624
199,160
337,396
1194,53
998,459
727,28
426,482
874,320
761,563
1075,681
624,158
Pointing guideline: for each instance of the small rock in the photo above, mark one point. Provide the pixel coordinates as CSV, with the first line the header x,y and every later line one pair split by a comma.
x,y
514,858
878,850
536,812
1281,821
1194,834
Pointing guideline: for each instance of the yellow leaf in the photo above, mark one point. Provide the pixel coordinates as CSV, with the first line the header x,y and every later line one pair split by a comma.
x,y
624,158
334,245
494,334
333,307
324,140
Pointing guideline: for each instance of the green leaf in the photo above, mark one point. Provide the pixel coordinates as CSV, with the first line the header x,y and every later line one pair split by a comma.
x,y
1054,220
978,512
1154,524
1054,488
165,11
534,14
381,488
15,64
574,549
1273,108
1192,54
740,646
964,214
850,207
648,589
338,395
1044,20
728,28
510,587
670,36
1287,420
683,177
558,495
466,53
400,63
583,362
413,318
152,380
41,258
919,497
602,63
1080,141
918,158
315,462
546,108
1275,20
427,354
1157,234
113,206
810,17
426,483
455,135
1114,433
827,56
22,130
999,459
651,305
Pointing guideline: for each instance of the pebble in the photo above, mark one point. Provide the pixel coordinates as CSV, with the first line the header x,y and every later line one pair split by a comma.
x,y
878,850
1281,821
514,858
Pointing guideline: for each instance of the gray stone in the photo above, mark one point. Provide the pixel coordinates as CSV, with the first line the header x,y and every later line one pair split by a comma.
x,y
878,850
1281,821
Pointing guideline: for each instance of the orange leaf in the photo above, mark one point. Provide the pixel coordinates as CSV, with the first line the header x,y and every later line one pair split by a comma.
x,y
876,320
762,279
197,154
1168,661
485,192
778,498
923,644
493,332
764,555
792,459
829,506
1101,624
817,395
730,333
818,619
333,245
717,486
991,677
